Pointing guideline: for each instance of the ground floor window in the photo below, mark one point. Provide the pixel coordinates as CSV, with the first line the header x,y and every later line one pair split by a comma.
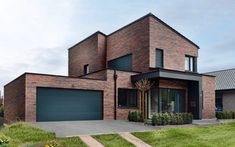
x,y
219,101
167,100
127,97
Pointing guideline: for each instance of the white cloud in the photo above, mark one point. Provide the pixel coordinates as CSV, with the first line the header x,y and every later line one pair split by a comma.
x,y
32,36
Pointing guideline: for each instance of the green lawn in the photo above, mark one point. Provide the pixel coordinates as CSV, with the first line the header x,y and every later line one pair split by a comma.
x,y
25,135
211,136
112,140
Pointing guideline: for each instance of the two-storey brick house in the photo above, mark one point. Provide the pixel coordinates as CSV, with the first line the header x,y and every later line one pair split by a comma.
x,y
103,70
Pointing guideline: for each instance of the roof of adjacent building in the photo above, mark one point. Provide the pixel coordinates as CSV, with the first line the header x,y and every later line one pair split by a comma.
x,y
225,79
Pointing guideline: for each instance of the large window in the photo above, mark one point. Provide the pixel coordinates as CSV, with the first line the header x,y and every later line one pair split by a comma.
x,y
86,69
190,63
159,58
127,97
171,100
121,63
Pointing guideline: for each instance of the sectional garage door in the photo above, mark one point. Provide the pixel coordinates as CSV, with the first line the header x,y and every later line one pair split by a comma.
x,y
67,104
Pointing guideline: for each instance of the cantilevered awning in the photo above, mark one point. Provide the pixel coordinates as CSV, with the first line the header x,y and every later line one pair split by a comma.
x,y
166,73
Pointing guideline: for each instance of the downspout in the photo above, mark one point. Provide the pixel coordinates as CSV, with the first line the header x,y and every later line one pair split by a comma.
x,y
115,94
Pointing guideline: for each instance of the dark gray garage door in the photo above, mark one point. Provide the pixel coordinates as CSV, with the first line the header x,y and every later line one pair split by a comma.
x,y
67,104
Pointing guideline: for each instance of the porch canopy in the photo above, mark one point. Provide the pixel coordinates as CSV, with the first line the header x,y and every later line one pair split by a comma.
x,y
194,85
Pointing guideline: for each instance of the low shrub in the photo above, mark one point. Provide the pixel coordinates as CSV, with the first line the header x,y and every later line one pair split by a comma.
x,y
225,115
1,111
3,140
171,118
135,116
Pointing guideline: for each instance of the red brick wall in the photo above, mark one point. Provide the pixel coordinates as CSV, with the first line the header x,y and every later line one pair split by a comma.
x,y
208,87
91,51
102,75
14,102
132,39
174,46
124,81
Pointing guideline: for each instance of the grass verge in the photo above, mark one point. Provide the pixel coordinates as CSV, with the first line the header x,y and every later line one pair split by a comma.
x,y
112,140
209,136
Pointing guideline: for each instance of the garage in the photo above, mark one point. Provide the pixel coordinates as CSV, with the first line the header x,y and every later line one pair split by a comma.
x,y
53,104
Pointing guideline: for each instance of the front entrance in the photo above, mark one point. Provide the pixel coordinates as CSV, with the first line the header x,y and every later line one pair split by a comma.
x,y
166,100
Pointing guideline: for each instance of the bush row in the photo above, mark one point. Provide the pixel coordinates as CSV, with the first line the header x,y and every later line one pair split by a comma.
x,y
171,118
225,115
136,116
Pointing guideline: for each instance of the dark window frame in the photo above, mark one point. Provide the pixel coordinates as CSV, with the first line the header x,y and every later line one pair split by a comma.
x,y
192,63
86,69
162,58
119,97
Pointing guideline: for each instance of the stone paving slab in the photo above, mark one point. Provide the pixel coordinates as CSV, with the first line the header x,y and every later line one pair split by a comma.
x,y
90,141
134,140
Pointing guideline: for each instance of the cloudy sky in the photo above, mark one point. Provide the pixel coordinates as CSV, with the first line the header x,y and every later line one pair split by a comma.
x,y
35,34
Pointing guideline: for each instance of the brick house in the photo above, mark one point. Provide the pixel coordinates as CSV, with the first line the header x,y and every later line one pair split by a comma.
x,y
102,73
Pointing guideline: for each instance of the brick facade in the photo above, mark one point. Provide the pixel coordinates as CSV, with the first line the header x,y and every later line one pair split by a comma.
x,y
14,101
208,87
174,46
90,51
140,38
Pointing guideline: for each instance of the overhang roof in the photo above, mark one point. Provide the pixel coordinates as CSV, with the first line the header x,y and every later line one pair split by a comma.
x,y
166,73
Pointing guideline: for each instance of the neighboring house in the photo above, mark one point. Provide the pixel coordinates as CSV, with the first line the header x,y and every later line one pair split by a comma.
x,y
225,89
103,70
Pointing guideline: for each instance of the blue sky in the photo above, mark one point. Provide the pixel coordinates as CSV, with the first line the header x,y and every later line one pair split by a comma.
x,y
35,34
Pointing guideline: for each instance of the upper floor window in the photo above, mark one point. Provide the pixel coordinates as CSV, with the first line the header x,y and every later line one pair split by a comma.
x,y
190,63
86,69
121,63
159,58
127,97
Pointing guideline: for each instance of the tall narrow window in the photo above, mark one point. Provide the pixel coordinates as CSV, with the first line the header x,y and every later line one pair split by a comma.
x,y
159,58
190,63
86,69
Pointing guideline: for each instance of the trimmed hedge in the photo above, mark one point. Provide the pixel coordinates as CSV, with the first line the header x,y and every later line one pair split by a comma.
x,y
171,118
225,115
135,116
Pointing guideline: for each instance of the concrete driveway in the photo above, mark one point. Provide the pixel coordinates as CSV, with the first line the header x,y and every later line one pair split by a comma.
x,y
74,128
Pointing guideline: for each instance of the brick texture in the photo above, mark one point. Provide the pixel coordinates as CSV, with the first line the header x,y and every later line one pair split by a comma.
x,y
133,39
14,100
91,51
174,46
208,86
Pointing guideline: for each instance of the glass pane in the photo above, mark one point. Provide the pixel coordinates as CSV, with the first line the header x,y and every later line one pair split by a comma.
x,y
186,63
154,101
191,63
171,100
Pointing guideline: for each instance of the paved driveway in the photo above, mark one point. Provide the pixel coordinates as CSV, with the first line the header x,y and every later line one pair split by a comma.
x,y
74,128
